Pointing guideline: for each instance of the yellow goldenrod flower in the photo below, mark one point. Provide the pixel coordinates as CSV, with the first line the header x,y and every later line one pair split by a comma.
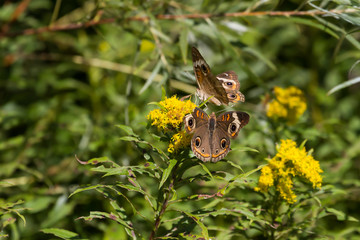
x,y
289,104
289,162
266,179
179,141
171,114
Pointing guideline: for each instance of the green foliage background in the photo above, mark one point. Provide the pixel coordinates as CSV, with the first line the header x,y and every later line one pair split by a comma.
x,y
62,93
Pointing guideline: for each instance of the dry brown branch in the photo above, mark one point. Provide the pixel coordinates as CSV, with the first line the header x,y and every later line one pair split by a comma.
x,y
71,26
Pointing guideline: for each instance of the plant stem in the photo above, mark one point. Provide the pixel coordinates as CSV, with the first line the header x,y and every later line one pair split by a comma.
x,y
164,204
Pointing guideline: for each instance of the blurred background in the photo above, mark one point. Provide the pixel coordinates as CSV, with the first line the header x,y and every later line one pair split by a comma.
x,y
63,92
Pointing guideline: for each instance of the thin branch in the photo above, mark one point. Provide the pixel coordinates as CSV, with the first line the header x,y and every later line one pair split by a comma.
x,y
54,28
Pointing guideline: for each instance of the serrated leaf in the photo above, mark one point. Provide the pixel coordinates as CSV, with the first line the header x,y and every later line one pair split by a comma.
x,y
61,233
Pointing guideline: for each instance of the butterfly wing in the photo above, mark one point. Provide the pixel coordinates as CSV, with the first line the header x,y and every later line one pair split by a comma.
x,y
195,119
208,83
220,144
230,83
198,123
232,122
200,143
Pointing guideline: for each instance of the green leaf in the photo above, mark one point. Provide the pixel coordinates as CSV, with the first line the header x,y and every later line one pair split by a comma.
x,y
95,161
127,129
197,219
234,164
129,139
313,24
302,145
160,34
101,215
112,171
61,233
183,42
85,189
163,95
167,172
341,216
138,141
245,149
344,85
152,76
261,57
235,179
207,170
204,102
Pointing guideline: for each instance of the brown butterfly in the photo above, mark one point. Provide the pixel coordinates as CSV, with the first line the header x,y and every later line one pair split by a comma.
x,y
224,87
211,139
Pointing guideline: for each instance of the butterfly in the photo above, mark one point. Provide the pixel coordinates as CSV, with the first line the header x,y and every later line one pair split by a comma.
x,y
224,87
211,139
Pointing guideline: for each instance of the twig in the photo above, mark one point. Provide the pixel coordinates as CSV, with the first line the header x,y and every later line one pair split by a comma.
x,y
54,28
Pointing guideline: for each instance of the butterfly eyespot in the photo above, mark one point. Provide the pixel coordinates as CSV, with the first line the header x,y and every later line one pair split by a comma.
x,y
233,128
229,83
217,151
198,142
232,96
203,150
191,122
203,68
223,143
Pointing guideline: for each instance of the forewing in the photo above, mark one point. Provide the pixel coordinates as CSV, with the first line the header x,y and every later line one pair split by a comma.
x,y
207,82
232,122
195,119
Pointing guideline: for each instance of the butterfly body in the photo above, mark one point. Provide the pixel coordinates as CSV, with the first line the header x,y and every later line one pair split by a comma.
x,y
211,139
224,88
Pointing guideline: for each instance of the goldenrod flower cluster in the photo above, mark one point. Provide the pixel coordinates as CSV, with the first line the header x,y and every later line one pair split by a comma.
x,y
289,104
169,118
289,162
179,141
171,114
